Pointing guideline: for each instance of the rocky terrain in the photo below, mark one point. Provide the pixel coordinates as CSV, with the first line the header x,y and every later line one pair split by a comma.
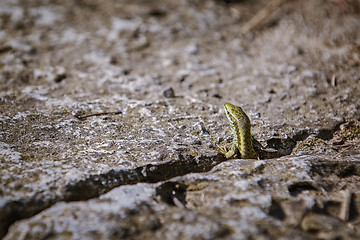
x,y
111,113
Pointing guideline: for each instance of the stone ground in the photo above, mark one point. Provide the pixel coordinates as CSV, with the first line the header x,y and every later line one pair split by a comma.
x,y
110,114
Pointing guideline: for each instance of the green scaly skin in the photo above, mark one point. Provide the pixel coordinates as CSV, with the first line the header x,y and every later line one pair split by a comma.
x,y
242,146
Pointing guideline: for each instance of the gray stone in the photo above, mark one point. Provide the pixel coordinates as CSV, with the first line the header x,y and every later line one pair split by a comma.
x,y
92,147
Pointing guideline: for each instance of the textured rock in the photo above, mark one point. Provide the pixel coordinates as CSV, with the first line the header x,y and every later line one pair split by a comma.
x,y
110,114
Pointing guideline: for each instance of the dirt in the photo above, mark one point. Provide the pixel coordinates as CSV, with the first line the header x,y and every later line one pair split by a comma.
x,y
98,96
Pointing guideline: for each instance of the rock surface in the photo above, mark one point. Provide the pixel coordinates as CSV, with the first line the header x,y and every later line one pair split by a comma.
x,y
110,114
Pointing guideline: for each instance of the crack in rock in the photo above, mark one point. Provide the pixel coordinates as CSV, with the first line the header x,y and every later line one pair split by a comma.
x,y
95,185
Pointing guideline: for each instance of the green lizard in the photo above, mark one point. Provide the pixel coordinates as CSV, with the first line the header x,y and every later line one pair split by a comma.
x,y
242,146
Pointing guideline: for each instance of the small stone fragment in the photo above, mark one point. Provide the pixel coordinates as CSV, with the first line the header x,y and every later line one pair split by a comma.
x,y
169,93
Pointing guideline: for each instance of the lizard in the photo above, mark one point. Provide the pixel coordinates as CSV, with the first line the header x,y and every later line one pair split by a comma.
x,y
242,146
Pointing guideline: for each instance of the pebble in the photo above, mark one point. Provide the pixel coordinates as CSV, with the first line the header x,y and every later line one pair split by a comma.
x,y
169,93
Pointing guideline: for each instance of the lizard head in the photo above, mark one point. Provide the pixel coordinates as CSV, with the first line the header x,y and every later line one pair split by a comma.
x,y
235,114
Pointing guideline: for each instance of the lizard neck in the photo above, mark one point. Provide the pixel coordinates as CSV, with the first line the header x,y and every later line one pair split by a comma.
x,y
245,145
